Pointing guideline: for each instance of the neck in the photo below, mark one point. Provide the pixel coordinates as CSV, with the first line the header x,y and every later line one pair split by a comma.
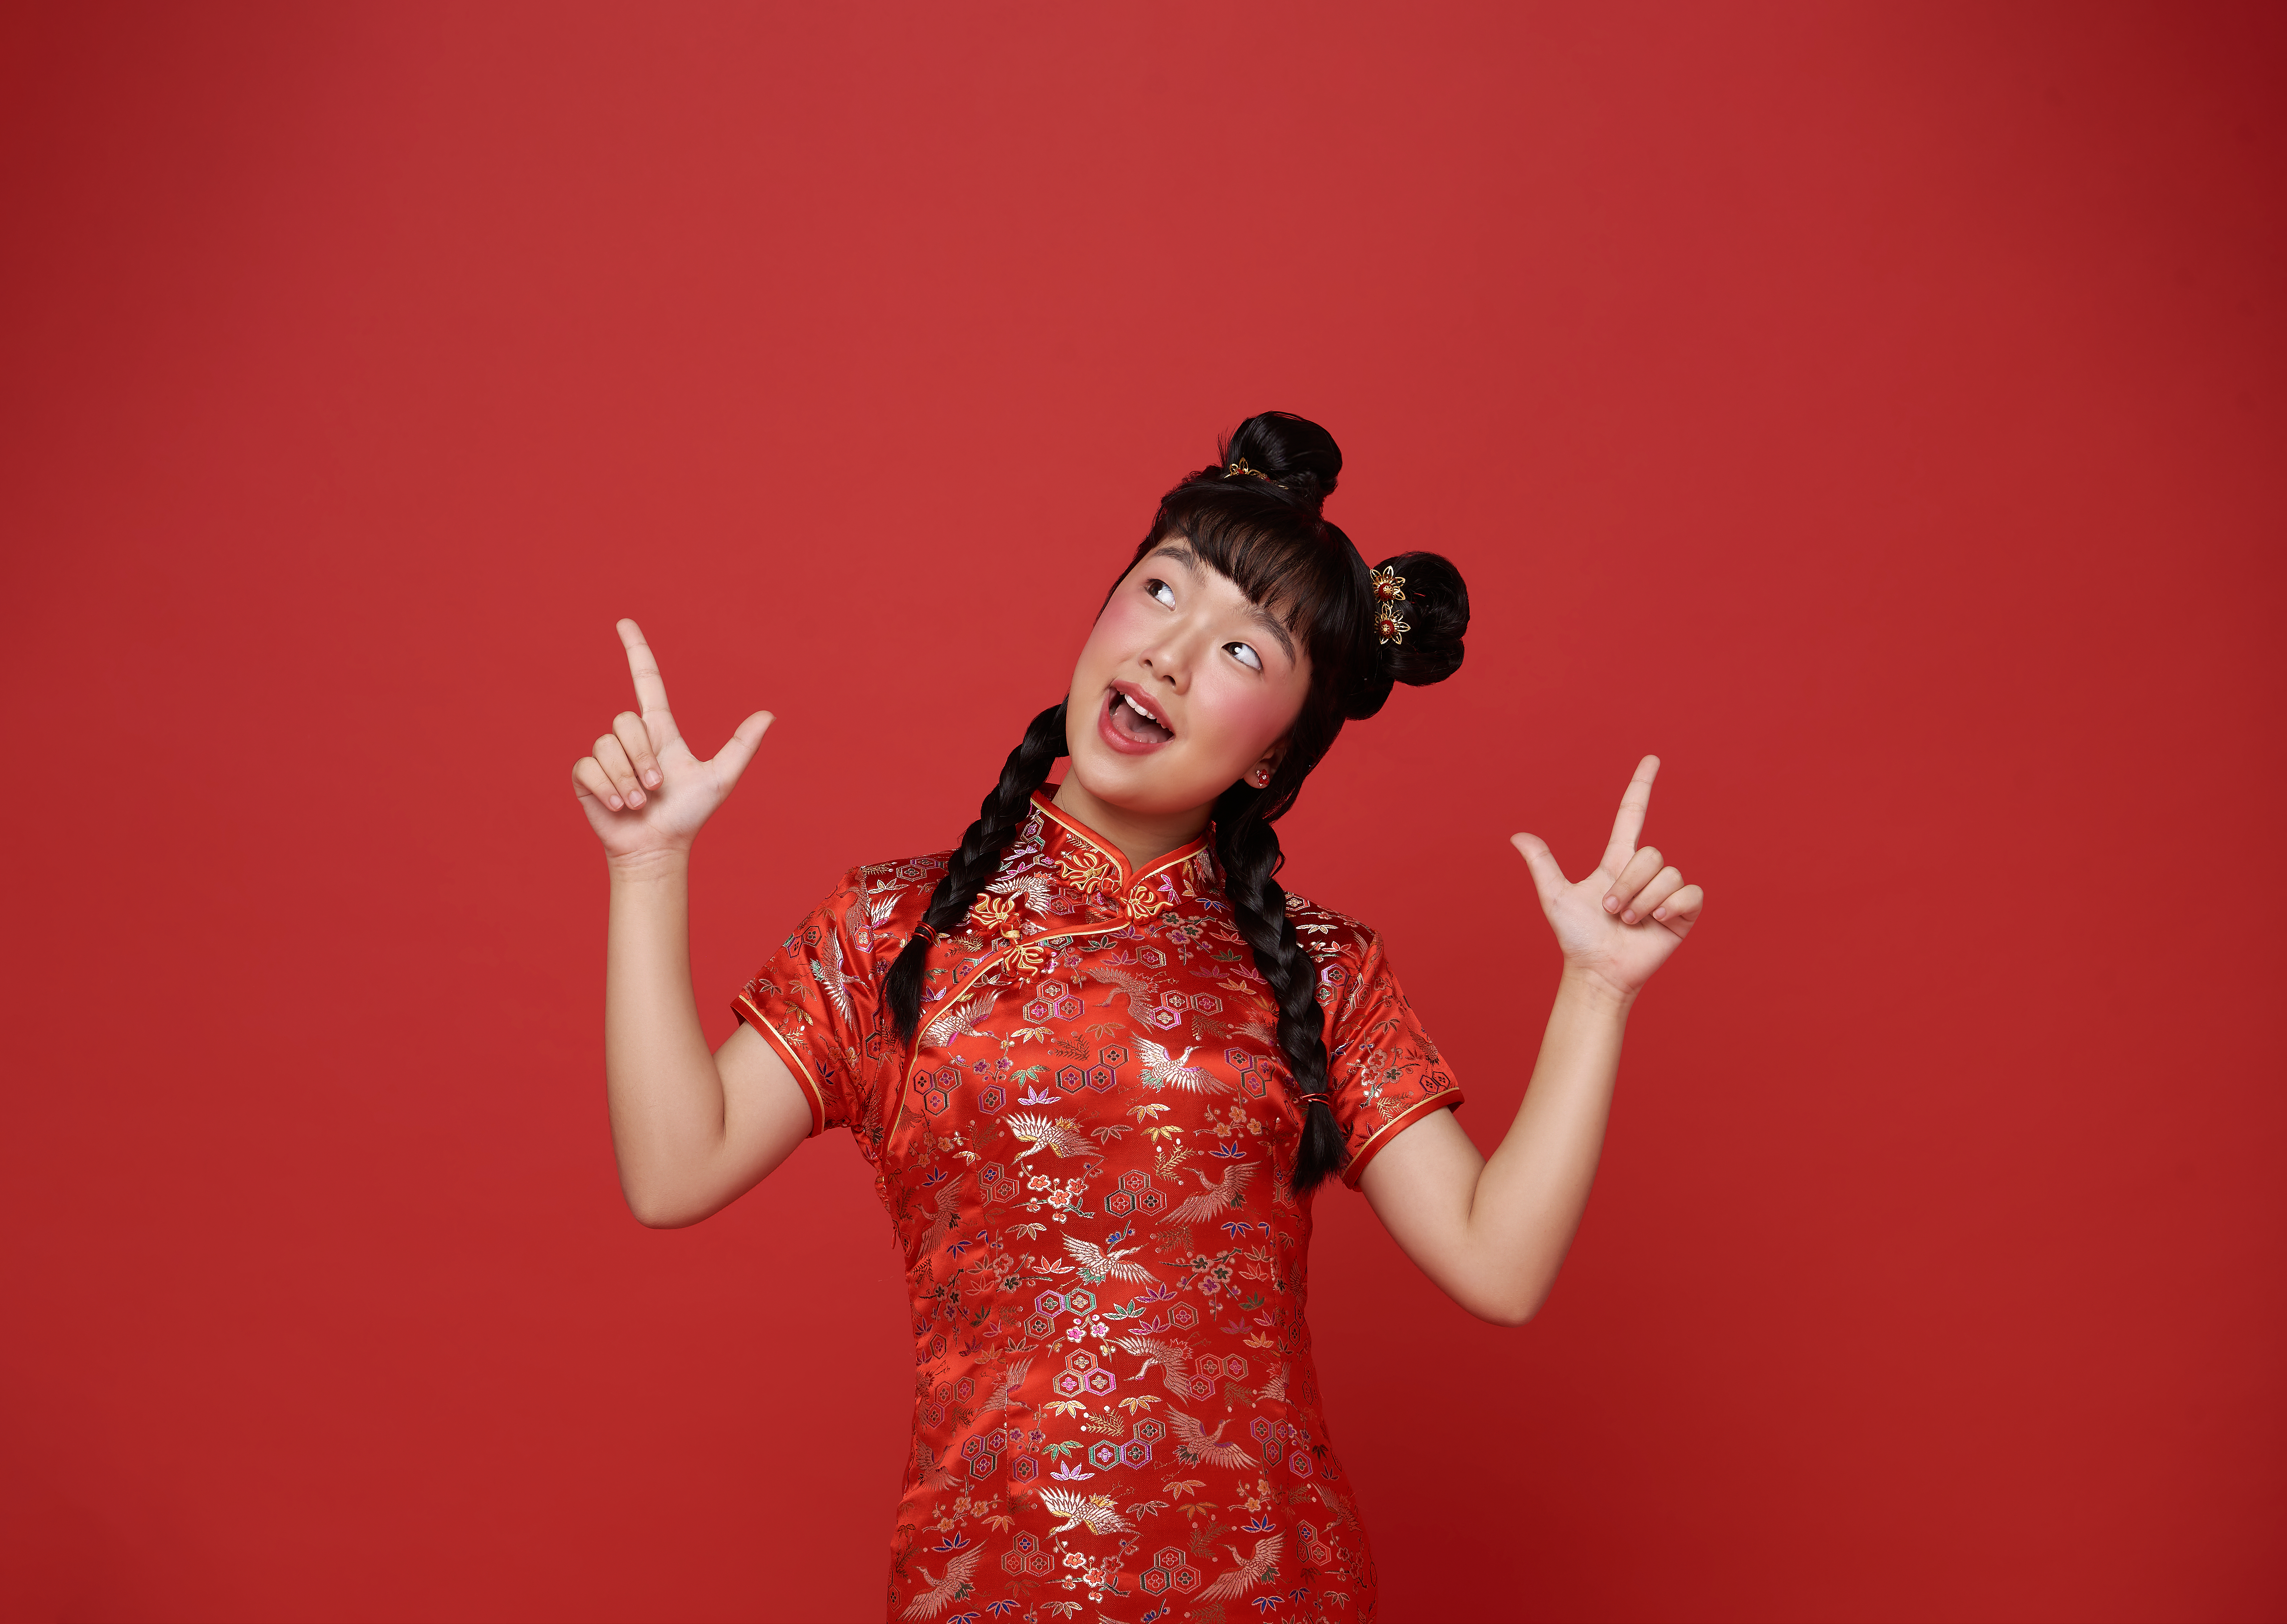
x,y
1143,838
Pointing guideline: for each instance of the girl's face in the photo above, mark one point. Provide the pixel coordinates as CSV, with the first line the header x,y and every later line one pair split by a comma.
x,y
1183,688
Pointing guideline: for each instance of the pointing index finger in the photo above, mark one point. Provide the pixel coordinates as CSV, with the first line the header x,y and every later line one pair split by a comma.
x,y
1629,825
651,689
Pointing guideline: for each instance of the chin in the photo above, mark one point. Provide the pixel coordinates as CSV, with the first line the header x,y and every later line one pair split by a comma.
x,y
1141,787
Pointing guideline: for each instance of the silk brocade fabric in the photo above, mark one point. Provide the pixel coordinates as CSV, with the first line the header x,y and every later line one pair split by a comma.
x,y
1086,1157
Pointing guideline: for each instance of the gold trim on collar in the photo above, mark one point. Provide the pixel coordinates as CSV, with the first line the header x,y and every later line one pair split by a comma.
x,y
1129,879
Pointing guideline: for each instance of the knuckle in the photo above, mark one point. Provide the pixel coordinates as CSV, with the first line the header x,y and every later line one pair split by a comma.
x,y
1650,854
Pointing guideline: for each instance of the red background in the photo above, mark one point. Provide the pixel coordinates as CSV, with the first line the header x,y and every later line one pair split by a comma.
x,y
1876,411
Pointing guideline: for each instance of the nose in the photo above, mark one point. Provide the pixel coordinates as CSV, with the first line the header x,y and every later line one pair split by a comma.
x,y
1168,659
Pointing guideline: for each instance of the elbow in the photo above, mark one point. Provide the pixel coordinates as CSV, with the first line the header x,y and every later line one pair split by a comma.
x,y
653,1217
658,1209
1512,1307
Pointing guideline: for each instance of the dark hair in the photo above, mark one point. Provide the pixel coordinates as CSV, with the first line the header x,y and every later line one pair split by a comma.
x,y
1253,515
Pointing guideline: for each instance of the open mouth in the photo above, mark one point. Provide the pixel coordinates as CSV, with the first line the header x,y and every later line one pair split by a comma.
x,y
1131,721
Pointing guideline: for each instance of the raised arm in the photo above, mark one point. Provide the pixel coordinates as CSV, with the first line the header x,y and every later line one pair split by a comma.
x,y
1492,1231
692,1130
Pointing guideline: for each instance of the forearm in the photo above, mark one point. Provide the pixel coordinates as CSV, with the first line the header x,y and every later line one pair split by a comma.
x,y
1528,1197
1492,1232
667,1100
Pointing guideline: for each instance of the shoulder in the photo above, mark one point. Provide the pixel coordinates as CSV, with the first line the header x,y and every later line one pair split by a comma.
x,y
1331,938
885,900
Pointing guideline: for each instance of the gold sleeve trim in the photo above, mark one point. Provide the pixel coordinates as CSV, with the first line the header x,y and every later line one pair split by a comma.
x,y
1445,1099
744,1008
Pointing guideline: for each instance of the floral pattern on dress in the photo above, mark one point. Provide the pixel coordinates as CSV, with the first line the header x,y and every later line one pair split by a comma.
x,y
1086,1156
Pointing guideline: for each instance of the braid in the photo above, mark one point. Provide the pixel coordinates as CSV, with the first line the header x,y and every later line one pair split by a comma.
x,y
1248,849
976,861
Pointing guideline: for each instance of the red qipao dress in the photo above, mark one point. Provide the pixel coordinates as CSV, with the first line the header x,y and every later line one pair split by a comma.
x,y
1086,1157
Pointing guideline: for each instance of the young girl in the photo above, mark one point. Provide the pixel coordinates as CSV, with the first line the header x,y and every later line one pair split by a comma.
x,y
1099,1061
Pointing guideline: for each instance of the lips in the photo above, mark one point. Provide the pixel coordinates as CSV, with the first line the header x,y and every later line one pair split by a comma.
x,y
1129,722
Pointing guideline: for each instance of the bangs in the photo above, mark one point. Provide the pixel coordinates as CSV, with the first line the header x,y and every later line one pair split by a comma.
x,y
1296,567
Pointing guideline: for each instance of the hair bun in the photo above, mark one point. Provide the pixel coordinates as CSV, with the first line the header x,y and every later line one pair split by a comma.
x,y
1437,616
1292,453
1435,610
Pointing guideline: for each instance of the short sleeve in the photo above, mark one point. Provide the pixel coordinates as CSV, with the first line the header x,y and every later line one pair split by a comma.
x,y
814,1002
1385,1072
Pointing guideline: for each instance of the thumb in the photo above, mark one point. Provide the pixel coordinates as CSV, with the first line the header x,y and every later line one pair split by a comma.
x,y
1547,878
739,748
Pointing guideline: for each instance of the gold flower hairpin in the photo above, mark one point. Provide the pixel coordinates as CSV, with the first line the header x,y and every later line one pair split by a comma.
x,y
1390,605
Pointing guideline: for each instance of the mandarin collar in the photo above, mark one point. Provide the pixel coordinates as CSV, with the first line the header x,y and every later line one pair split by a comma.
x,y
1060,829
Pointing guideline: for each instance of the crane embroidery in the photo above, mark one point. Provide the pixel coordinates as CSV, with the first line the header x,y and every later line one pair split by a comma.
x,y
1222,1195
1096,1511
1160,1072
1251,1571
954,1586
1097,1265
1195,1444
1062,1137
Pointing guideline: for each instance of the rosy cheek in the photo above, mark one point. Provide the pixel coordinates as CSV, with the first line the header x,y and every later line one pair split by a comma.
x,y
1241,717
1121,629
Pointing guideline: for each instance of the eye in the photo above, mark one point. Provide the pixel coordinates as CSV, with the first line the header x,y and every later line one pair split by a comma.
x,y
1160,592
1245,656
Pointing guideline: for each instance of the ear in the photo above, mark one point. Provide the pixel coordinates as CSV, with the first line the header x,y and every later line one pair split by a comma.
x,y
1258,774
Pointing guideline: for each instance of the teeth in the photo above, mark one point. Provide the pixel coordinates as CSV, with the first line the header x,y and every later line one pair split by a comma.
x,y
1140,711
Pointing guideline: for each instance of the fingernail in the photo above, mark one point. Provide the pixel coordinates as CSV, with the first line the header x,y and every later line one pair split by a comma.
x,y
652,778
1612,905
635,798
1629,917
1659,913
616,803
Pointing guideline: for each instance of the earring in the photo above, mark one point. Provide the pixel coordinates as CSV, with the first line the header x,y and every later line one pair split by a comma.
x,y
1260,777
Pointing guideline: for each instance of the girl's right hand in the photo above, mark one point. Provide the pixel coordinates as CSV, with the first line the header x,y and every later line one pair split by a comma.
x,y
642,789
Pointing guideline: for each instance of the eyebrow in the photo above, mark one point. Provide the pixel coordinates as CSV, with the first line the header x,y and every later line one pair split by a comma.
x,y
1181,551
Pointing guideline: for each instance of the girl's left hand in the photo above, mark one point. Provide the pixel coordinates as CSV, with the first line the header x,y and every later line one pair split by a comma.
x,y
1620,922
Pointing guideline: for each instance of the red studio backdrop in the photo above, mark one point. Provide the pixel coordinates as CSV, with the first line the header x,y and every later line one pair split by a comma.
x,y
1876,411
